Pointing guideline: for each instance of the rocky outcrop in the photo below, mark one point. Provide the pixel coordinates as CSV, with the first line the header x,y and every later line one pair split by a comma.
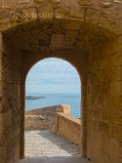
x,y
44,118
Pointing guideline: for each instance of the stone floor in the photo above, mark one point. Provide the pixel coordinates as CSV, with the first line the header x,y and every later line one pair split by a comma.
x,y
42,146
53,160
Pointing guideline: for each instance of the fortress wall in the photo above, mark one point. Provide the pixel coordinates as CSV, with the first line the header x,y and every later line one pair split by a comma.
x,y
44,118
69,127
90,31
104,105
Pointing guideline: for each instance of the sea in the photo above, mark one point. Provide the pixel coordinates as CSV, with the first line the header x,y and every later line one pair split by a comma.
x,y
56,99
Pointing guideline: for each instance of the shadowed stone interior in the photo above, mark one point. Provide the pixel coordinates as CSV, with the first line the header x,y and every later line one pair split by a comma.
x,y
88,34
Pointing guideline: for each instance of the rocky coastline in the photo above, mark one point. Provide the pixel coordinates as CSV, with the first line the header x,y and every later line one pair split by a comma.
x,y
34,97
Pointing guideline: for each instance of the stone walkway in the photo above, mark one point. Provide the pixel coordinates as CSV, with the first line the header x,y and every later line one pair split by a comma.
x,y
42,146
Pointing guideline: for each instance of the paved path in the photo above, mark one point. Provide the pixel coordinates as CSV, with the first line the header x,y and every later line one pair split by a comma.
x,y
42,146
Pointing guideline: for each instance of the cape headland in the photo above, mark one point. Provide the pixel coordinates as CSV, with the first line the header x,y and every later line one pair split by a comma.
x,y
34,97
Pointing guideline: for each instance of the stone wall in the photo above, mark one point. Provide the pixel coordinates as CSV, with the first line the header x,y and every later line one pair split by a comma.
x,y
104,106
88,34
69,127
10,105
57,119
44,118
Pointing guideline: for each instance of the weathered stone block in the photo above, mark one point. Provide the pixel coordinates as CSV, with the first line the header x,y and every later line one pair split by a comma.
x,y
62,13
116,88
96,35
57,41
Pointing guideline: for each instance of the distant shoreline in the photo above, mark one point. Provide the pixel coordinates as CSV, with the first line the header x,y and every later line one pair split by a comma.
x,y
34,97
45,100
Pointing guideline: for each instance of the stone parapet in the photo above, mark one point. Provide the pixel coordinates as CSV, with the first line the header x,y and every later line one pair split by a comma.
x,y
68,127
44,118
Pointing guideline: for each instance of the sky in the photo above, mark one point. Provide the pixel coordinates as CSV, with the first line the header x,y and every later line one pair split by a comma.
x,y
52,76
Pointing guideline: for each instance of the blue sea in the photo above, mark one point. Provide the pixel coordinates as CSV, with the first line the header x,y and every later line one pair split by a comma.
x,y
55,99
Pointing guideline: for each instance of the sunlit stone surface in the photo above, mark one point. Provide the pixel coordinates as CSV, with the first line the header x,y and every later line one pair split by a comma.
x,y
88,34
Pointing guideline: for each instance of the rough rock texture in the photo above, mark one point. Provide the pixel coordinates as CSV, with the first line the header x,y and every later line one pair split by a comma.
x,y
38,122
44,118
88,34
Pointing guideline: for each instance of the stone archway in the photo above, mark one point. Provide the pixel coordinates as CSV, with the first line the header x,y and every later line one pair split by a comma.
x,y
62,55
47,69
85,40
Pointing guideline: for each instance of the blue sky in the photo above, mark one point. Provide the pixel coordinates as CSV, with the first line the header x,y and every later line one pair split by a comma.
x,y
52,76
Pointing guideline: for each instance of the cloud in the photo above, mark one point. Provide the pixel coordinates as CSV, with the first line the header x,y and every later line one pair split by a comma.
x,y
53,75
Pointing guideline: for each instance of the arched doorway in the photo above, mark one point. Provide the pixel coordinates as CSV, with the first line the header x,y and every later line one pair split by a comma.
x,y
89,44
55,77
58,83
67,56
